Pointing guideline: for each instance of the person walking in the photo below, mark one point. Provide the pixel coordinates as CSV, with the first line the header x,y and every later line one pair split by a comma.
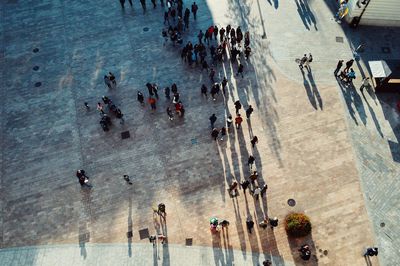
x,y
213,119
229,122
204,90
150,89
186,18
204,65
223,133
264,190
273,222
238,106
127,179
200,36
100,108
249,111
169,113
240,70
155,90
87,106
349,64
254,141
215,32
221,34
120,115
112,79
238,121
245,184
307,62
256,192
107,81
212,74
224,83
167,93
214,134
249,224
140,97
303,60
194,10
253,177
214,90
371,251
82,177
251,161
152,102
338,67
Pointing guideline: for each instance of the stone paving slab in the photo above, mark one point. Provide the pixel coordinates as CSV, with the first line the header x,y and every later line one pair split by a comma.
x,y
304,150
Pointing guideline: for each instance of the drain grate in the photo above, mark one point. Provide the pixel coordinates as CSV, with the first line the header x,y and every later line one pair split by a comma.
x,y
125,135
144,233
146,29
36,68
291,202
38,84
35,50
189,241
339,39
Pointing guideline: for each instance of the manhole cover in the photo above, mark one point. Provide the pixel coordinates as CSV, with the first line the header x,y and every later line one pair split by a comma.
x,y
38,84
382,224
36,68
339,39
325,252
125,135
189,241
291,202
144,233
145,29
129,234
386,50
35,50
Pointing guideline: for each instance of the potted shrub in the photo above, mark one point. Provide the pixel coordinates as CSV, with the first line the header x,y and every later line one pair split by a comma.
x,y
297,224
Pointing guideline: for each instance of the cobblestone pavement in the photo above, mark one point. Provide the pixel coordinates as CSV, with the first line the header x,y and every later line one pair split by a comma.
x,y
304,153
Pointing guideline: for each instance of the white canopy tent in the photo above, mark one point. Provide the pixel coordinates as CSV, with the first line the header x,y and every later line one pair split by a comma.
x,y
379,69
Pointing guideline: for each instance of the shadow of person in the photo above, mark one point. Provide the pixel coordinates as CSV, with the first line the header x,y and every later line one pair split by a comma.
x,y
219,258
309,92
255,249
85,217
315,92
239,227
276,4
310,14
301,11
357,102
229,256
371,111
129,233
296,243
348,100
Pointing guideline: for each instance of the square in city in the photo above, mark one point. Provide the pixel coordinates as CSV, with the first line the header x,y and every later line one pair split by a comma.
x,y
144,233
125,135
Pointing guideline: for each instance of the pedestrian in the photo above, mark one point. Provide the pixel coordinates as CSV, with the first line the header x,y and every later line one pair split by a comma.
x,y
176,97
107,81
166,20
186,18
238,121
223,133
155,90
212,74
250,161
249,111
240,70
247,52
338,67
214,134
273,222
169,113
253,177
245,184
100,108
267,263
303,60
194,10
204,66
127,179
307,63
214,90
224,223
143,3
120,115
167,91
264,190
82,177
105,99
305,252
174,88
215,31
263,224
154,3
254,141
152,103
213,118
247,39
238,106
140,97
371,251
256,192
204,90
224,83
113,80
349,64
228,30
122,2
200,36
249,224
365,84
221,34
232,190
87,106
350,76
229,121
150,89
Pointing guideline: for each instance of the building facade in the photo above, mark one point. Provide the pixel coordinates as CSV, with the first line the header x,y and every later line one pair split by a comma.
x,y
374,12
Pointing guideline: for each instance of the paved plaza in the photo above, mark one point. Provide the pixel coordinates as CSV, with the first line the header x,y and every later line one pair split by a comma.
x,y
333,151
